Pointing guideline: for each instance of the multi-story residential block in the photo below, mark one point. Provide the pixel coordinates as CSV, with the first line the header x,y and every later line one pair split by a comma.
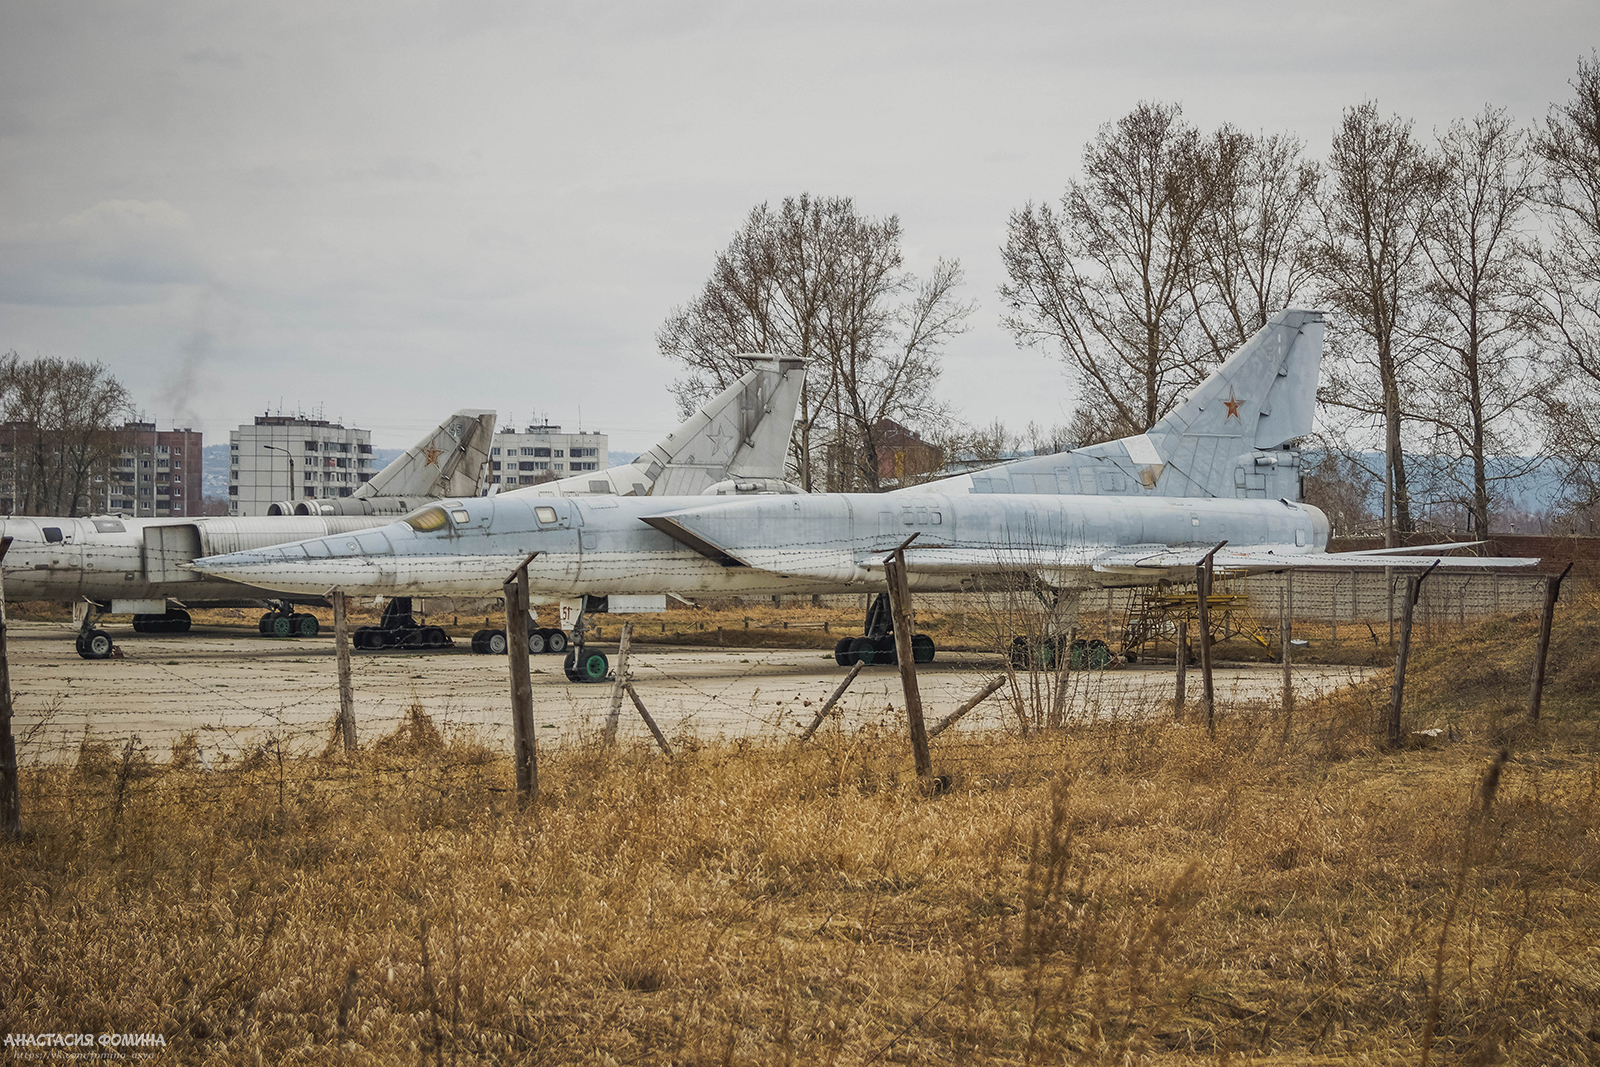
x,y
137,471
289,457
154,473
543,453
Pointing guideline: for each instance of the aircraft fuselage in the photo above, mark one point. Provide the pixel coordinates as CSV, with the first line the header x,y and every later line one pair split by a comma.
x,y
107,559
762,545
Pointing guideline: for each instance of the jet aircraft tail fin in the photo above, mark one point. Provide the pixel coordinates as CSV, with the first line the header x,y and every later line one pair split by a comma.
x,y
1229,438
741,435
449,461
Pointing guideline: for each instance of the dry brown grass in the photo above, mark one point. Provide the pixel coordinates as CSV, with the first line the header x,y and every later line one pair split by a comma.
x,y
1129,891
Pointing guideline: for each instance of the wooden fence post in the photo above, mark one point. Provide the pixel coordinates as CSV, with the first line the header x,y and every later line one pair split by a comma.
x,y
1407,611
1552,591
10,790
1286,638
1208,695
827,705
346,722
525,744
615,711
900,606
977,698
655,731
1181,697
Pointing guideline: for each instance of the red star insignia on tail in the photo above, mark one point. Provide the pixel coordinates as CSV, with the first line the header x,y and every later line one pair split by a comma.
x,y
1232,404
431,455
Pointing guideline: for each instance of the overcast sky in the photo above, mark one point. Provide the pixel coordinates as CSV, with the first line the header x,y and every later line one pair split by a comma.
x,y
393,210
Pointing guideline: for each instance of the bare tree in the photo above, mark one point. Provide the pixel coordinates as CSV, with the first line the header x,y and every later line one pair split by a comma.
x,y
61,430
816,280
887,355
1479,316
1569,268
1104,282
1253,250
1342,488
1369,267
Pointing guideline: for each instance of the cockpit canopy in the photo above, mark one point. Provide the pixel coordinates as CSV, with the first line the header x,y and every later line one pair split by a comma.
x,y
435,517
428,519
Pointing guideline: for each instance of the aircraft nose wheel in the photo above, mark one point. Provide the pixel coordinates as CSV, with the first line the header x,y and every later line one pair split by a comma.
x,y
586,665
94,644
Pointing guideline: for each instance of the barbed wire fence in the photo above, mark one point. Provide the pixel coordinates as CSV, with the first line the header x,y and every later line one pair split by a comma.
x,y
89,736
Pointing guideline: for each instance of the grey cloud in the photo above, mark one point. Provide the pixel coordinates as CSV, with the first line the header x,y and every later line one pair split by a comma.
x,y
116,252
214,56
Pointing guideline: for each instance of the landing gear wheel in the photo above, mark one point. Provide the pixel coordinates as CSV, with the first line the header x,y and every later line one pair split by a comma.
x,y
535,642
94,644
587,665
266,622
922,648
303,625
864,650
433,637
842,654
495,644
282,626
177,622
1042,654
888,655
555,641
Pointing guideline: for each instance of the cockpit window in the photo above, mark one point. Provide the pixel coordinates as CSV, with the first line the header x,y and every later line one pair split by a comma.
x,y
427,520
545,514
460,515
109,526
52,534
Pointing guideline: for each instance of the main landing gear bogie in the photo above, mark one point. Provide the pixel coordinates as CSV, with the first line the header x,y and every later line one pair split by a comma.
x,y
289,624
876,644
399,630
493,642
377,639
1046,653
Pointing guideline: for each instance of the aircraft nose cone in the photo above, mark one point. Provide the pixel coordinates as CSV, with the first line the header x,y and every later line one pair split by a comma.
x,y
232,563
273,568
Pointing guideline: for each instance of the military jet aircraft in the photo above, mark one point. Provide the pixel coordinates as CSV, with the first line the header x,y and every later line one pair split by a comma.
x,y
831,543
736,443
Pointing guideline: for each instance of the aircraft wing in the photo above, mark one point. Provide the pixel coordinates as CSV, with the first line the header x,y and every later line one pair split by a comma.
x,y
840,563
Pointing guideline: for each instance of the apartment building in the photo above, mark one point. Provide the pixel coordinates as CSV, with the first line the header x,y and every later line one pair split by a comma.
x,y
290,457
542,453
